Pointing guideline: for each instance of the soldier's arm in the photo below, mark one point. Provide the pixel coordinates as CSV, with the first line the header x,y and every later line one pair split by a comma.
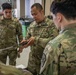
x,y
19,31
52,32
46,60
50,58
28,34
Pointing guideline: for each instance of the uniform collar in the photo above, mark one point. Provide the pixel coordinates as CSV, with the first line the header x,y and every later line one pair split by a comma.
x,y
70,26
2,18
42,23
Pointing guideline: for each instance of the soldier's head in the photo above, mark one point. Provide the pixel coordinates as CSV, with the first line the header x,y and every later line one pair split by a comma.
x,y
63,12
7,10
37,12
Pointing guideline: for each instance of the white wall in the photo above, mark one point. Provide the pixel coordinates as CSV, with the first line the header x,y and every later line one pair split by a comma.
x,y
47,7
2,1
38,1
27,8
18,8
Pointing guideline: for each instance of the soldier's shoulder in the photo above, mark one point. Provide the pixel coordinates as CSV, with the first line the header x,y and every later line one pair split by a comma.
x,y
49,22
63,40
32,24
56,41
15,19
1,17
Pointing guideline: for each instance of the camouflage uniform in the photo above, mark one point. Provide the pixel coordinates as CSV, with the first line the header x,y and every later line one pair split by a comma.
x,y
10,70
43,32
9,29
59,56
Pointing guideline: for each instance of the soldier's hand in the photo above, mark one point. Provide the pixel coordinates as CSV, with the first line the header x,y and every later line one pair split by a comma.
x,y
23,41
31,41
26,43
20,49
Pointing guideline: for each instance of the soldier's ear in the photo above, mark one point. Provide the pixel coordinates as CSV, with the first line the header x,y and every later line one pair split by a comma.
x,y
42,11
59,17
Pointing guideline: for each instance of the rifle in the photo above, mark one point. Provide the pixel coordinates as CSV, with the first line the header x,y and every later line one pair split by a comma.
x,y
14,46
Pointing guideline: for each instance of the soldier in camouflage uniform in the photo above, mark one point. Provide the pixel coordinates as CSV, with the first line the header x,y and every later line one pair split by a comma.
x,y
10,70
59,56
39,33
9,29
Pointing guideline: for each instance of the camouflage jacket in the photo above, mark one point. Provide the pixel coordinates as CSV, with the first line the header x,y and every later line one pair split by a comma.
x,y
10,70
43,32
59,56
9,29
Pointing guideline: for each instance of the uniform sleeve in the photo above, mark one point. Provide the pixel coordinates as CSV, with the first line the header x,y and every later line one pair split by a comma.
x,y
50,58
47,58
19,30
52,33
28,35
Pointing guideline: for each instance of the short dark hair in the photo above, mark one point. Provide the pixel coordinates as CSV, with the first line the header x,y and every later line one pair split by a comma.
x,y
38,6
65,7
6,6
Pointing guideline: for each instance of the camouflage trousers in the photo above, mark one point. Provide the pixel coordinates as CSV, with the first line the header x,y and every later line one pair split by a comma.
x,y
12,54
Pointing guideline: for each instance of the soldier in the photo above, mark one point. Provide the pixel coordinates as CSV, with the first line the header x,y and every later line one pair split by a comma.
x,y
10,70
39,33
9,29
59,56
